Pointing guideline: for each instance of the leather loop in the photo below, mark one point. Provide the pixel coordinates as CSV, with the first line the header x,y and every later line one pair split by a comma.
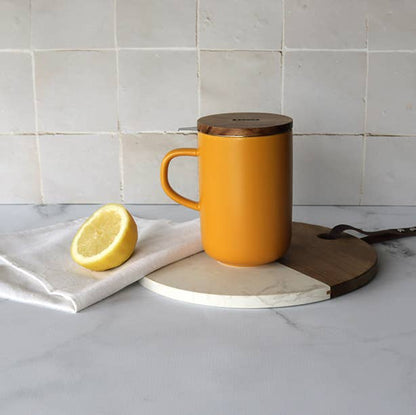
x,y
372,237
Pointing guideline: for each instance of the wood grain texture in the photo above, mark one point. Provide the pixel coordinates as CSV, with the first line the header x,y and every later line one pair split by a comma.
x,y
244,124
345,264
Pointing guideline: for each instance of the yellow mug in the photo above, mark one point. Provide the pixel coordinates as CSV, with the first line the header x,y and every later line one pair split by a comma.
x,y
245,186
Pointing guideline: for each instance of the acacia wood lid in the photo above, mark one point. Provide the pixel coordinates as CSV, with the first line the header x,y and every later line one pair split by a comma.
x,y
244,124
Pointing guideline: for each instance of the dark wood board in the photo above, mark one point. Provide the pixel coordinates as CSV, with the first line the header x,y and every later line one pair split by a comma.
x,y
344,264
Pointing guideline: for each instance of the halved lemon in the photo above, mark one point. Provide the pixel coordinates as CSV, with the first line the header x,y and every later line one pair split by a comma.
x,y
106,240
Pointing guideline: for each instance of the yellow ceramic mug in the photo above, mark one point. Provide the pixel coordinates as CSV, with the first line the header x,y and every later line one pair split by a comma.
x,y
245,186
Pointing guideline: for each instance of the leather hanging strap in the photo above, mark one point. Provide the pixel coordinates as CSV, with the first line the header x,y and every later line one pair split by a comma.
x,y
372,237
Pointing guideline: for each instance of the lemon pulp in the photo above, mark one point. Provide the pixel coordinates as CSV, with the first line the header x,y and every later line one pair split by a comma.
x,y
106,240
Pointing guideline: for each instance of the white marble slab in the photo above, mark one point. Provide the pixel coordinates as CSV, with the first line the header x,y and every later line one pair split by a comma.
x,y
201,280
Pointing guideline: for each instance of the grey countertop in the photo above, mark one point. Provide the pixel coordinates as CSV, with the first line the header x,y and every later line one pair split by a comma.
x,y
138,353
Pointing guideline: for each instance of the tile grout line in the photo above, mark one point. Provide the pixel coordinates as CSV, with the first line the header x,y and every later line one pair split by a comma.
x,y
363,50
241,50
282,62
329,134
28,51
392,51
41,133
35,108
120,157
198,58
351,50
47,133
364,140
120,143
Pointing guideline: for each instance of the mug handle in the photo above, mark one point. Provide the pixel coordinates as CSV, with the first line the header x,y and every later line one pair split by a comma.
x,y
164,176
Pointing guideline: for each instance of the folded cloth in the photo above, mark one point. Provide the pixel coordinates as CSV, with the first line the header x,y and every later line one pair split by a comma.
x,y
36,266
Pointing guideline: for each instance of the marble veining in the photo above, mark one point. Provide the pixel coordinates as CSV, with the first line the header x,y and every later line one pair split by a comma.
x,y
200,279
399,249
138,352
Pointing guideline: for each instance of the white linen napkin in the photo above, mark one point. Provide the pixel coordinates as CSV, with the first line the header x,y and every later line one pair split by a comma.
x,y
36,266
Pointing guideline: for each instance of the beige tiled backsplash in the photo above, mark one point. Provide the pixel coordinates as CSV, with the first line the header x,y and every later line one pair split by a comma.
x,y
92,93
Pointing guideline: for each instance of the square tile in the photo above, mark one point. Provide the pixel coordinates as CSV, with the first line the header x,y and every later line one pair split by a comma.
x,y
19,169
246,24
327,170
14,24
392,24
156,23
325,24
142,156
80,168
74,24
158,90
240,81
391,105
76,91
325,91
16,93
390,171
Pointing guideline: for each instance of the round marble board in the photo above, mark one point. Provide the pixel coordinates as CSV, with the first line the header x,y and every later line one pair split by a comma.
x,y
314,269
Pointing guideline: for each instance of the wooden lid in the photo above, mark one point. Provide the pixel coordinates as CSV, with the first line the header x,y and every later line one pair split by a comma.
x,y
244,124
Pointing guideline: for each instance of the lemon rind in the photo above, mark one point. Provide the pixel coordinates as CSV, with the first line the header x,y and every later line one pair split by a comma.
x,y
125,217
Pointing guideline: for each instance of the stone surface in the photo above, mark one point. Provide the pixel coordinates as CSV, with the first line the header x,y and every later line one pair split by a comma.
x,y
140,352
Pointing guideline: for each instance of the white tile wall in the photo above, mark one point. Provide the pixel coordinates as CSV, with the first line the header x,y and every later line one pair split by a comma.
x,y
74,24
327,170
325,91
390,171
80,168
19,170
392,93
158,89
103,85
240,81
156,23
16,93
14,24
243,24
142,155
76,91
325,24
392,24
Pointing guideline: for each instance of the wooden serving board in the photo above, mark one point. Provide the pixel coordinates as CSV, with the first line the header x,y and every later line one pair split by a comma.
x,y
314,269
